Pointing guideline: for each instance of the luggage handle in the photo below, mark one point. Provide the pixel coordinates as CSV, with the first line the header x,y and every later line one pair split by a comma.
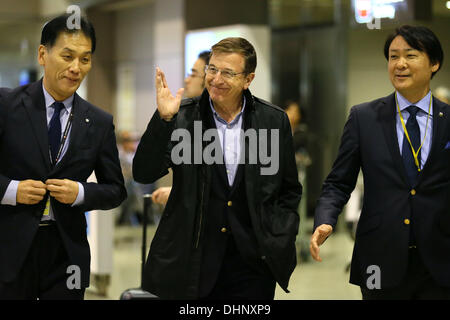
x,y
147,203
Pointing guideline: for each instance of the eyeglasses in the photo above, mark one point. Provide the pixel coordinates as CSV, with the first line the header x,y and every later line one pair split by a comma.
x,y
226,74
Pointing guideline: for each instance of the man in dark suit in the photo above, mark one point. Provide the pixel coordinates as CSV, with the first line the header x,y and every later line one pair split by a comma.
x,y
51,140
402,145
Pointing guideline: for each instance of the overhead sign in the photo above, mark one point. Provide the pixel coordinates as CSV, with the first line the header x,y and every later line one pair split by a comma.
x,y
367,10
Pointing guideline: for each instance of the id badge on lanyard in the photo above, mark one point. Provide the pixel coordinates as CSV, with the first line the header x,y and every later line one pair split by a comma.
x,y
47,207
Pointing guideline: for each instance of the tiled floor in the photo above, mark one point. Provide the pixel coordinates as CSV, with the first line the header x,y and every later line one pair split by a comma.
x,y
310,281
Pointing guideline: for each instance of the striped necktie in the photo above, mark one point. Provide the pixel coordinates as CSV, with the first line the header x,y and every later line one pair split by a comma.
x,y
412,126
54,131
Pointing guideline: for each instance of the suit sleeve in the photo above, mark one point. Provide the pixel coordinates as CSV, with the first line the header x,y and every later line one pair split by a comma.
x,y
4,181
109,191
152,158
341,181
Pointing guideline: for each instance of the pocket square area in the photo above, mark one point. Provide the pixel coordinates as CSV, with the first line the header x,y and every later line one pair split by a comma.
x,y
447,146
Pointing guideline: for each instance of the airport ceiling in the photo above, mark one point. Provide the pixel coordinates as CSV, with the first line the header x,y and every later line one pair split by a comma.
x,y
16,12
21,17
13,11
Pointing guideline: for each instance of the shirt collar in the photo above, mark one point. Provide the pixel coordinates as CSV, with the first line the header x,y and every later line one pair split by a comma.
x,y
219,118
49,100
423,104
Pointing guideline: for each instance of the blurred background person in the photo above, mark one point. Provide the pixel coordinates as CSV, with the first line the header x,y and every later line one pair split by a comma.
x,y
194,84
131,209
302,158
300,133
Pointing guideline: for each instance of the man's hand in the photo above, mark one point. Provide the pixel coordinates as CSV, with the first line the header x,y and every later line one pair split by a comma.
x,y
30,191
168,105
319,236
161,195
64,191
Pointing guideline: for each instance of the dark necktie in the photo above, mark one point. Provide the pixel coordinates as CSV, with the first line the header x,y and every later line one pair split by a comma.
x,y
414,135
54,131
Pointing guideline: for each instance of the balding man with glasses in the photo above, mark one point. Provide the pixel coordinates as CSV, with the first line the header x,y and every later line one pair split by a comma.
x,y
228,230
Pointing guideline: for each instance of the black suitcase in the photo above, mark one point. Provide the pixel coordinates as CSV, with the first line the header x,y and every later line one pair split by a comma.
x,y
139,293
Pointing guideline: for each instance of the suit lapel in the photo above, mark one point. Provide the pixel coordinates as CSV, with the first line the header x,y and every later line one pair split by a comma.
x,y
439,137
387,115
80,125
34,103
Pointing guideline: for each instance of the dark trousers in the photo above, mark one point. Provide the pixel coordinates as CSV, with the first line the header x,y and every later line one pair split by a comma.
x,y
417,284
44,274
238,281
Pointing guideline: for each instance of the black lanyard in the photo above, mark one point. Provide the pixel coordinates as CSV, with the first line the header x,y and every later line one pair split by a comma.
x,y
64,138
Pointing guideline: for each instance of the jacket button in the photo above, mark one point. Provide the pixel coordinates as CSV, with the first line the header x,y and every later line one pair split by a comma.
x,y
230,203
406,221
263,257
223,230
413,192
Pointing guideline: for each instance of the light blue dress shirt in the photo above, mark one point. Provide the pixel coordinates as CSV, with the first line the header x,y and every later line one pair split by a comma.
x,y
421,117
10,195
230,140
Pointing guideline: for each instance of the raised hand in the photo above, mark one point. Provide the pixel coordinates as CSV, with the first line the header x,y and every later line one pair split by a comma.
x,y
168,105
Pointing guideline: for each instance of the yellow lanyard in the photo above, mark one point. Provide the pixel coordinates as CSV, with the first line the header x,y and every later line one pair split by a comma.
x,y
415,154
